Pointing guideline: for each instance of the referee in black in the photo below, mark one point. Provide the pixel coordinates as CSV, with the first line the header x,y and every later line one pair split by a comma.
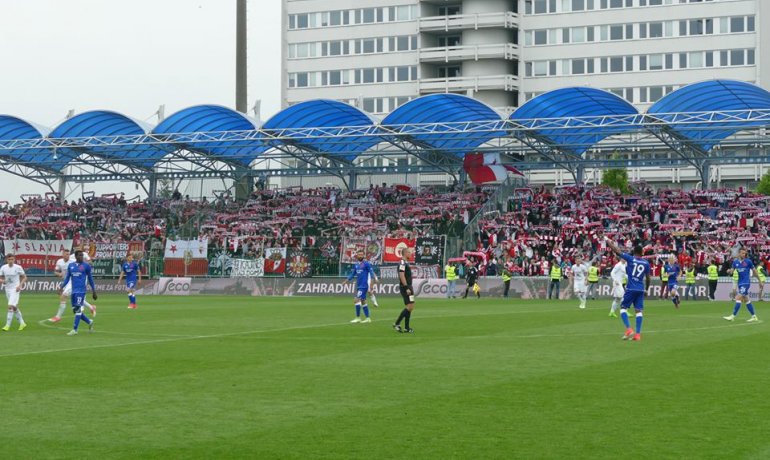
x,y
407,291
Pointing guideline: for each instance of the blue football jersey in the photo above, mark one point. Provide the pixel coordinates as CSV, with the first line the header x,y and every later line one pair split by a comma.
x,y
743,267
79,274
131,270
362,271
637,270
673,271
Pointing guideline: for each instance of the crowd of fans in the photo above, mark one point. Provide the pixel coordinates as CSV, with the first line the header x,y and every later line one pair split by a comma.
x,y
542,227
294,217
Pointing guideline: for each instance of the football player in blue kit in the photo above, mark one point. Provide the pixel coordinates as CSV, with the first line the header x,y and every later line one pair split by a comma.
x,y
638,271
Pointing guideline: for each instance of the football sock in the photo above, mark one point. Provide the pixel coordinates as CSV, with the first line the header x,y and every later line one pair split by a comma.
x,y
374,299
614,306
749,306
624,317
85,319
401,316
18,316
358,310
77,321
86,304
407,317
736,308
366,310
639,322
9,317
132,299
62,307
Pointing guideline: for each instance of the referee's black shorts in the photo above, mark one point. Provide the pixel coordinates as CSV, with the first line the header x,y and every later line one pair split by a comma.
x,y
408,298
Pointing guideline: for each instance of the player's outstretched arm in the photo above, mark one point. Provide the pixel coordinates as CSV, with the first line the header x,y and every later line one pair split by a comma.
x,y
613,247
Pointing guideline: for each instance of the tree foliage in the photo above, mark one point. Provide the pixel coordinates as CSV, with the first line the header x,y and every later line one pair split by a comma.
x,y
764,184
617,179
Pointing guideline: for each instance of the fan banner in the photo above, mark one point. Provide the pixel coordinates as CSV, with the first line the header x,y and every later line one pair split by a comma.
x,y
429,251
37,256
298,264
186,257
394,247
352,246
247,268
275,260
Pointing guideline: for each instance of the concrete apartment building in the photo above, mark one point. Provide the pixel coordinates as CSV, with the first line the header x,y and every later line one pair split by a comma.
x,y
383,53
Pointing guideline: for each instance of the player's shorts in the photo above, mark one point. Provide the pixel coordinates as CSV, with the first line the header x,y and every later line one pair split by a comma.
x,y
12,296
361,293
67,289
743,289
580,286
130,284
77,302
618,291
672,287
408,298
635,298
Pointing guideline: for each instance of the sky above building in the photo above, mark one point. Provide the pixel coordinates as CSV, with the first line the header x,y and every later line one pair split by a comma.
x,y
130,57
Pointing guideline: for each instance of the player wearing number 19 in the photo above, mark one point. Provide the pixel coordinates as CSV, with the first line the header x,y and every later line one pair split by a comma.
x,y
744,267
79,273
638,271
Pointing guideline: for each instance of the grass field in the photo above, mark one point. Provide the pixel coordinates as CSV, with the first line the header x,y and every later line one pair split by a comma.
x,y
236,377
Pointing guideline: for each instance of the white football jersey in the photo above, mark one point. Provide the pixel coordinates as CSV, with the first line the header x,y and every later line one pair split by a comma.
x,y
618,273
12,276
579,272
61,266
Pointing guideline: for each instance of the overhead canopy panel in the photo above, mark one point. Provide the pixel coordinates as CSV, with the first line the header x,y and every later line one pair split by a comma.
x,y
11,129
730,100
587,105
447,112
214,119
324,118
110,127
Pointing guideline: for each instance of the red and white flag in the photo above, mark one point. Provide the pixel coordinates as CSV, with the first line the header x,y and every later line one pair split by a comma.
x,y
186,257
487,167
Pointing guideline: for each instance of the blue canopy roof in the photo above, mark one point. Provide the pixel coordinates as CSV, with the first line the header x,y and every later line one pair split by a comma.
x,y
12,128
107,123
323,113
213,118
575,102
446,108
711,96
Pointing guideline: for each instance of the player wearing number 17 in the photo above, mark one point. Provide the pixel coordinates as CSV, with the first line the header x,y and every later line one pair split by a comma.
x,y
638,271
79,273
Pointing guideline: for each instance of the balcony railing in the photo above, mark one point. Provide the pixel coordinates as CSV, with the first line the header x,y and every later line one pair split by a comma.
x,y
507,51
480,83
506,20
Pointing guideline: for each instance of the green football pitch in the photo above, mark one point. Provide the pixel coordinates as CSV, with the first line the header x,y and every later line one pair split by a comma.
x,y
285,378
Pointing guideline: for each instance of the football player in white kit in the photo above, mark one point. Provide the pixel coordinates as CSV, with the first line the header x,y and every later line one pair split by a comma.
x,y
14,279
618,275
86,258
61,272
579,273
373,279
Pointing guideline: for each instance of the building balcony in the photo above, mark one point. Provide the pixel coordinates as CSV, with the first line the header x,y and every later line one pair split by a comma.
x,y
507,20
463,84
507,51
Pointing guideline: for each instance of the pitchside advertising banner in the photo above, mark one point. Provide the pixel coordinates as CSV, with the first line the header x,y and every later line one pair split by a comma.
x,y
521,288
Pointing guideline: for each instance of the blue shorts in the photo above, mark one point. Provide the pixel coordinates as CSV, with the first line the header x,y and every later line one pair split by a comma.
x,y
743,289
633,297
673,286
77,302
130,284
361,293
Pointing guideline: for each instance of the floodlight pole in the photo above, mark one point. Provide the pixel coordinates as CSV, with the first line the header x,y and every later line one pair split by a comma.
x,y
241,76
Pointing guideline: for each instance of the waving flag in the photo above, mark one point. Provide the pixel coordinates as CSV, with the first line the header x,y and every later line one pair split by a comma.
x,y
487,167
